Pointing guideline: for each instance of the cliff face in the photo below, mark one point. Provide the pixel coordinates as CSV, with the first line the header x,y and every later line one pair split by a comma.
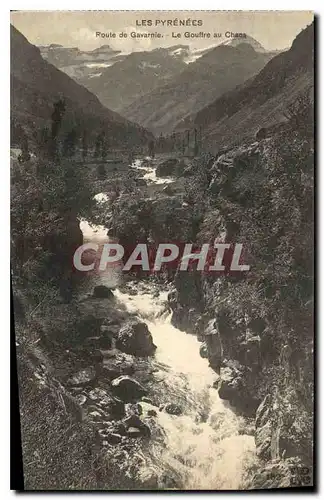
x,y
260,101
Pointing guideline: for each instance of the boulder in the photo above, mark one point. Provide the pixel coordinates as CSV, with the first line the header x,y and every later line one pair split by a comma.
x,y
168,190
166,167
134,432
148,400
172,409
113,438
80,399
98,342
235,387
102,292
135,338
148,479
231,384
203,350
127,389
189,171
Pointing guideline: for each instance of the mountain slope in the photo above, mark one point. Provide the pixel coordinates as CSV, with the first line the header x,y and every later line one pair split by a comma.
x,y
140,72
263,100
36,85
201,82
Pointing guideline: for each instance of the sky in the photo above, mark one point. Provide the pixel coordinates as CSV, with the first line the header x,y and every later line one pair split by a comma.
x,y
273,29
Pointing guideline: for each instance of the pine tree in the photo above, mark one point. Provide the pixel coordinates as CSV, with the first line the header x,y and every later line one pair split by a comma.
x,y
196,146
84,145
25,155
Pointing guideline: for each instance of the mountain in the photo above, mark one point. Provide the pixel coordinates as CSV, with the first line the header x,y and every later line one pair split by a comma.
x,y
78,64
218,70
261,101
36,85
137,74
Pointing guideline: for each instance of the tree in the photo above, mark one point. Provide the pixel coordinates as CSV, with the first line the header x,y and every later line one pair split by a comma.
x,y
104,148
196,146
57,116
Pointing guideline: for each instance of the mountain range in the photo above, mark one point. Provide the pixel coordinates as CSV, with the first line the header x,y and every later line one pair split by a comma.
x,y
37,84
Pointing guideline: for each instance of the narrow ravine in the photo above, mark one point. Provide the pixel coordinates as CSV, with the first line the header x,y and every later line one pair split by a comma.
x,y
204,444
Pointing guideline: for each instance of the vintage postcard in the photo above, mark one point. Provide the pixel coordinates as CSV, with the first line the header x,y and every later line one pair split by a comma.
x,y
162,235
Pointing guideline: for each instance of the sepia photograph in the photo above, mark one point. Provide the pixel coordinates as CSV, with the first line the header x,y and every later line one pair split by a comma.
x,y
162,250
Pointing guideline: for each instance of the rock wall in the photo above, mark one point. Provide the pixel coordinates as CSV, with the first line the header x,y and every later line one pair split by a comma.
x,y
256,328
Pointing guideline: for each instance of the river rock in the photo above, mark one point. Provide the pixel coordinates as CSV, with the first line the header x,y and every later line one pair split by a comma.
x,y
151,413
135,338
133,421
127,388
83,377
113,438
168,190
102,292
231,384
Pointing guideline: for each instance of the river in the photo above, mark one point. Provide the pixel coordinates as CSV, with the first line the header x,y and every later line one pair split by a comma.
x,y
205,445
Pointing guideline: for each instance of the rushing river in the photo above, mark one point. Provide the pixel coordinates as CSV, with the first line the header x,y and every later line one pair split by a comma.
x,y
205,445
